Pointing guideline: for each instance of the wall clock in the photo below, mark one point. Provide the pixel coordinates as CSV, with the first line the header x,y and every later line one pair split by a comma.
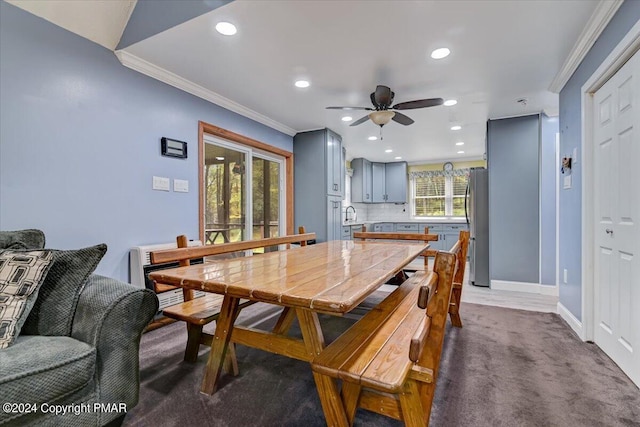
x,y
447,167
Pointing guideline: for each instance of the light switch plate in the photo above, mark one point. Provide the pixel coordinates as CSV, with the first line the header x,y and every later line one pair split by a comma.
x,y
161,183
574,159
181,185
567,182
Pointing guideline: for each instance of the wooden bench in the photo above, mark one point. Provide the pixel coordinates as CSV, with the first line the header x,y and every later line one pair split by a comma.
x,y
388,360
412,237
197,312
458,280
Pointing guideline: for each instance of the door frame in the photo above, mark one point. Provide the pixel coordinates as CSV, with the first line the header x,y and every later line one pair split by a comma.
x,y
206,128
614,61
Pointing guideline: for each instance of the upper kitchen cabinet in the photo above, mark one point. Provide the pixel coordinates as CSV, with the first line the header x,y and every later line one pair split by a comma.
x,y
395,181
378,182
361,181
322,156
334,164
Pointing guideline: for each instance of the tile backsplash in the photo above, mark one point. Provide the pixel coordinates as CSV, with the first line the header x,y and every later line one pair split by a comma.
x,y
388,212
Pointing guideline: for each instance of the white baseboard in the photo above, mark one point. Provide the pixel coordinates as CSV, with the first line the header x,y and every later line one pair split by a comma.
x,y
572,320
532,288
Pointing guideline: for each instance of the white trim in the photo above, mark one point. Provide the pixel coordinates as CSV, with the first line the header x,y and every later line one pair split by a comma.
x,y
531,288
618,56
597,23
557,184
572,320
158,73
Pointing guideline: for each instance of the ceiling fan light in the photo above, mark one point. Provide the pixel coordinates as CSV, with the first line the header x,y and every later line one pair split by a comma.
x,y
381,118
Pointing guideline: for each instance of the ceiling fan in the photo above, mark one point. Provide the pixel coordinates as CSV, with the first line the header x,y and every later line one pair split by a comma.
x,y
382,100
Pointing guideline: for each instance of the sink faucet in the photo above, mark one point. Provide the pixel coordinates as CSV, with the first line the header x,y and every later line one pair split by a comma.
x,y
346,214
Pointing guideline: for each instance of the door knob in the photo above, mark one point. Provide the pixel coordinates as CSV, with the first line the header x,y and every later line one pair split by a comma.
x,y
609,231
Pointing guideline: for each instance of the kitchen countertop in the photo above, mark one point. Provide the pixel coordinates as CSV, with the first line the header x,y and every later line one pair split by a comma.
x,y
405,221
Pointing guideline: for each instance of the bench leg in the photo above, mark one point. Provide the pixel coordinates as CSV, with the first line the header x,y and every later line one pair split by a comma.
x,y
427,393
413,413
194,336
454,308
350,398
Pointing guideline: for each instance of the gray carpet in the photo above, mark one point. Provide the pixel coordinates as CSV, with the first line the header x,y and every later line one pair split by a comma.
x,y
504,368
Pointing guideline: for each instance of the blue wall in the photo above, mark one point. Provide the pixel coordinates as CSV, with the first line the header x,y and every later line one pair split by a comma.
x,y
514,187
570,138
80,141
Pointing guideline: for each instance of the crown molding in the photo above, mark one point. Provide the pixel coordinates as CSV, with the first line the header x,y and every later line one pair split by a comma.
x,y
596,24
172,79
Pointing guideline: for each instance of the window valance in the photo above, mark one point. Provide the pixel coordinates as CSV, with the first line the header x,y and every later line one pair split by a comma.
x,y
429,174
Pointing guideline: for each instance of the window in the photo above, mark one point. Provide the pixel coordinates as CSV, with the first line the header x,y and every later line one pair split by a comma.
x,y
244,186
439,193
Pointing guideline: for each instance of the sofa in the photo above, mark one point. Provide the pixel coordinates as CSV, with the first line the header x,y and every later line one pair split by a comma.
x,y
87,375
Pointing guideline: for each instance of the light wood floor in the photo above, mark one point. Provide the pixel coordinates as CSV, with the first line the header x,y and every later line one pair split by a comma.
x,y
508,299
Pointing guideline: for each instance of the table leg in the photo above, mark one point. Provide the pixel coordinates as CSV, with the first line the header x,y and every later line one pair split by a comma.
x,y
332,406
221,338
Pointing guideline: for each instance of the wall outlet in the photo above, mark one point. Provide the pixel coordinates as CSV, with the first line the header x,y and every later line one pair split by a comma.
x,y
564,275
161,183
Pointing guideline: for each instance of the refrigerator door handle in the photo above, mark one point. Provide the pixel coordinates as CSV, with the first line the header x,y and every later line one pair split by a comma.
x,y
466,201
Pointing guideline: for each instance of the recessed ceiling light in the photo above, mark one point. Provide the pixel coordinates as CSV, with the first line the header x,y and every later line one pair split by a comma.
x,y
302,83
226,28
460,152
372,138
450,102
440,53
460,143
456,127
388,151
219,158
347,118
398,158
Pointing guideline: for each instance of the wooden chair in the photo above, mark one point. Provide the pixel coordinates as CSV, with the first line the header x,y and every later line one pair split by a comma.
x,y
388,360
201,311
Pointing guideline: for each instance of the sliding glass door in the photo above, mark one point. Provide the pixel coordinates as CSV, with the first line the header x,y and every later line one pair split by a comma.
x,y
239,180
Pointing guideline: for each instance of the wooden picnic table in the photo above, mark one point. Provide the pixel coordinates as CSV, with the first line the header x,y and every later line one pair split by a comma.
x,y
331,277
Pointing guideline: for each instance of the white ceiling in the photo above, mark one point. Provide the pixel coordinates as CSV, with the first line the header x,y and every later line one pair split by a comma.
x,y
101,21
502,50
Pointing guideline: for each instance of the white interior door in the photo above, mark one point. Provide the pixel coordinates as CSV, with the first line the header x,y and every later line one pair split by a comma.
x,y
617,213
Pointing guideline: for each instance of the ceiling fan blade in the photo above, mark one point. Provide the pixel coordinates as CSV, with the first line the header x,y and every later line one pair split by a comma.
x,y
402,119
350,108
383,96
372,96
360,121
420,103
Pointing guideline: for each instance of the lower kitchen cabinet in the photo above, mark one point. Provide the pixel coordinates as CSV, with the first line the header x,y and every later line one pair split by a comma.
x,y
334,218
346,232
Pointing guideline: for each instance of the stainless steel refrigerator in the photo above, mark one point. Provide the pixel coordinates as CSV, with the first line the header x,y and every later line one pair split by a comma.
x,y
477,213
